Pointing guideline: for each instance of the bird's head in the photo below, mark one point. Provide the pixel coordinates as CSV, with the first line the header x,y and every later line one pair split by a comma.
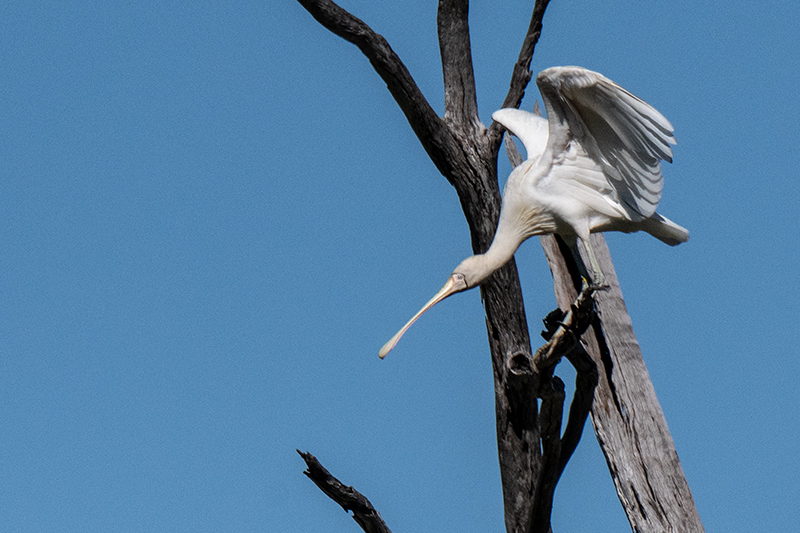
x,y
467,275
474,270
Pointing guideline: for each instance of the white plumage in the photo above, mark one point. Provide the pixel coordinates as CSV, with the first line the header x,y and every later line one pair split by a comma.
x,y
593,165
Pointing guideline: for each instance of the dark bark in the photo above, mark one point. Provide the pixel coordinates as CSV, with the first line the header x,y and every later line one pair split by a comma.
x,y
563,335
582,399
349,498
460,100
459,149
465,152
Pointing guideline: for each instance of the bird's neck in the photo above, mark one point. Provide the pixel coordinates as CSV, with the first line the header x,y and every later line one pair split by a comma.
x,y
501,251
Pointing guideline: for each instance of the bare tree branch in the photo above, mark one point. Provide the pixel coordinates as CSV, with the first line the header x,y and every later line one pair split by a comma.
x,y
513,153
586,370
581,405
522,74
460,101
564,339
349,498
563,332
436,138
628,420
552,394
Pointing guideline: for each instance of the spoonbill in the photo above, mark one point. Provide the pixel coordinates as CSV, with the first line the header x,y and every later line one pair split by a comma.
x,y
593,165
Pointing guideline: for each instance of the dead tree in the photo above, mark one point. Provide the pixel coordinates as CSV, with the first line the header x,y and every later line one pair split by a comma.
x,y
612,381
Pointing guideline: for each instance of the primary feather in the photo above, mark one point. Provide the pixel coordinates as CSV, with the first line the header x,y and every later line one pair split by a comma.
x,y
626,137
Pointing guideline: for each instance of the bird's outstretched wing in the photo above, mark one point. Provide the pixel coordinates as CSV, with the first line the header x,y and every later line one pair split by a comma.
x,y
531,129
626,136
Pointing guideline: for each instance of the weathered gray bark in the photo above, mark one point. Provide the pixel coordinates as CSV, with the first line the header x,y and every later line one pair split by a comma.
x,y
465,152
627,417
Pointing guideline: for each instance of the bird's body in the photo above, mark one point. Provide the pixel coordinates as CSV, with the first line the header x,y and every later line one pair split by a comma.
x,y
593,165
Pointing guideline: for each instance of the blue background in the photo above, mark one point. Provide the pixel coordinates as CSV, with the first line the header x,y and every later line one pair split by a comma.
x,y
214,215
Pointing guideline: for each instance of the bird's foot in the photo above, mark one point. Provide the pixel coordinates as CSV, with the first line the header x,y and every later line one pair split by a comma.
x,y
598,285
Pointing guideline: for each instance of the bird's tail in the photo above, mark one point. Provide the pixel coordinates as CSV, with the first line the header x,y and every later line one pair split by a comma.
x,y
665,230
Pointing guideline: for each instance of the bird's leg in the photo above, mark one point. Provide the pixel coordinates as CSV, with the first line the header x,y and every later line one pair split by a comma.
x,y
576,254
597,280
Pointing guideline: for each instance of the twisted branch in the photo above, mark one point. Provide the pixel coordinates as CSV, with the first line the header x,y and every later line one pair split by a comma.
x,y
349,498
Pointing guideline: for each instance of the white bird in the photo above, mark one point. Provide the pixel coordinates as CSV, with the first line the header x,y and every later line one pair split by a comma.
x,y
593,165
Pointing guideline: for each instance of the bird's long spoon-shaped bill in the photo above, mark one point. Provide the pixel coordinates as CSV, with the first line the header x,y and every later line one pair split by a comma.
x,y
454,284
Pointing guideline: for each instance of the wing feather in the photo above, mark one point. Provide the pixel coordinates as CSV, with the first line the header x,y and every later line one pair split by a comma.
x,y
626,136
644,128
530,128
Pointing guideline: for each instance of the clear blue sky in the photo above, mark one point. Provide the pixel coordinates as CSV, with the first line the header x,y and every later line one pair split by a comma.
x,y
214,215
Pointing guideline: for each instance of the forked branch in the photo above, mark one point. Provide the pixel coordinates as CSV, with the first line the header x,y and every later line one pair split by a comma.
x,y
563,335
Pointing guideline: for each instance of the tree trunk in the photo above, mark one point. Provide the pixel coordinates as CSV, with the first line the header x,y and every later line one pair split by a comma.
x,y
627,418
